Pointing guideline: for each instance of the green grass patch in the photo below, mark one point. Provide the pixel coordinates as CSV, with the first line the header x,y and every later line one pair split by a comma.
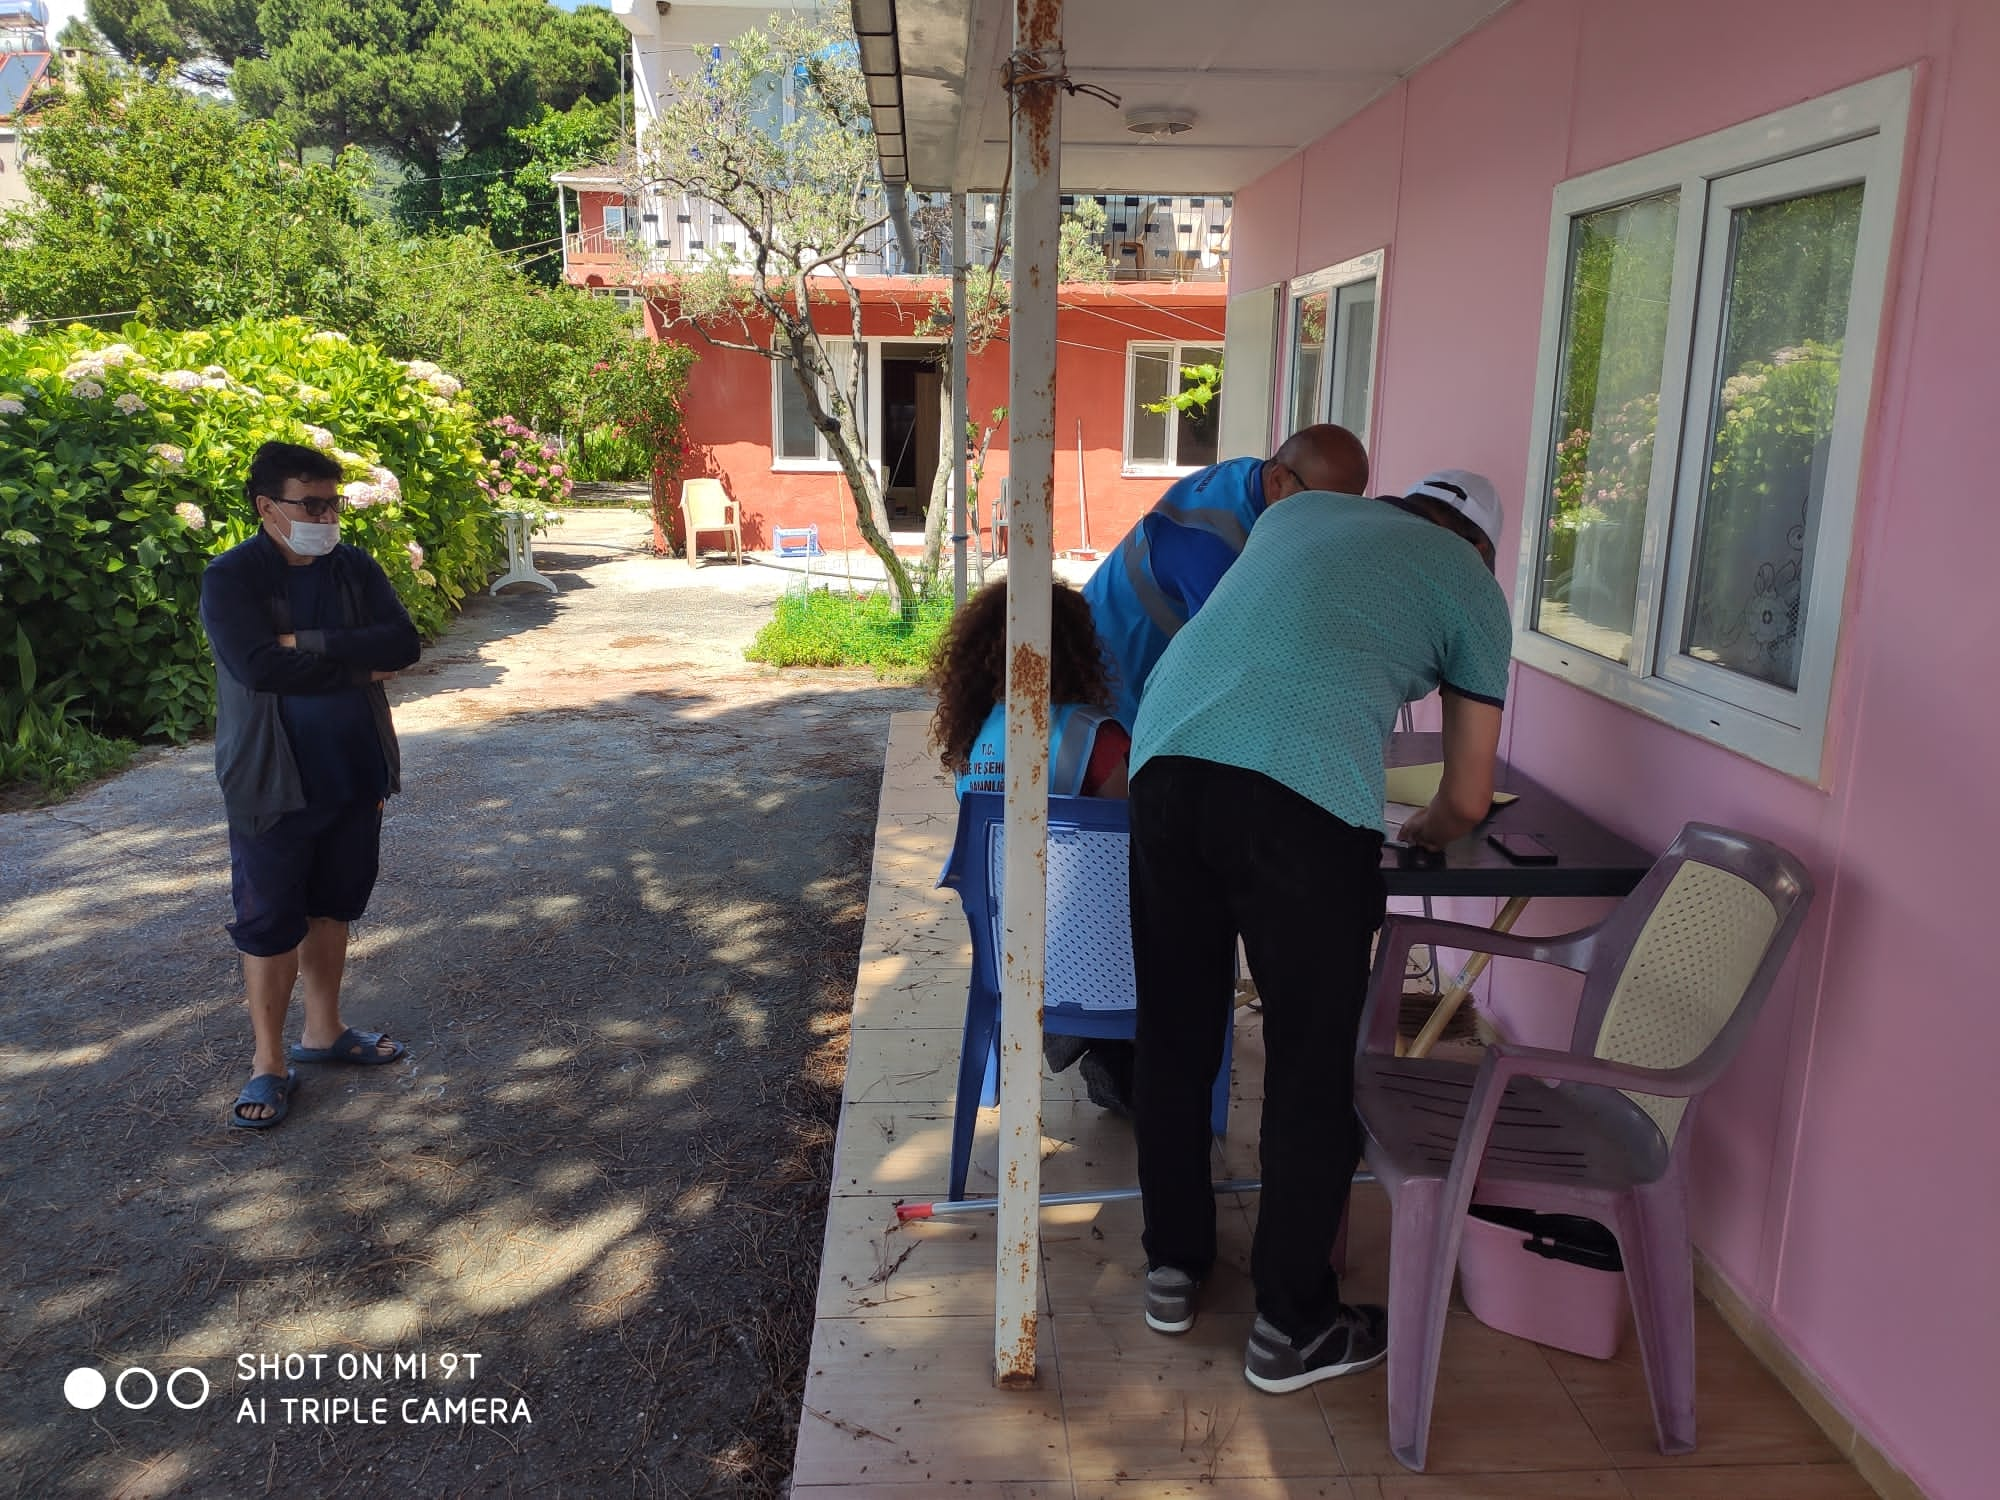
x,y
45,756
823,628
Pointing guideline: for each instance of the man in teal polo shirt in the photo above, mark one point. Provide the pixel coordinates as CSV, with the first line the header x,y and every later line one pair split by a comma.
x,y
1257,791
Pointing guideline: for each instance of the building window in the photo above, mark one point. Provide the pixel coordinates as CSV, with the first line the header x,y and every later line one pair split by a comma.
x,y
614,222
1168,439
1331,338
1708,347
795,442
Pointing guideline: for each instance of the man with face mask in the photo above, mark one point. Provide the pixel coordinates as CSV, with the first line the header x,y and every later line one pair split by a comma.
x,y
304,630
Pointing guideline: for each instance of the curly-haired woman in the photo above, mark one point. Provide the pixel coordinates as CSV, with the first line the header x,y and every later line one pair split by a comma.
x,y
1087,753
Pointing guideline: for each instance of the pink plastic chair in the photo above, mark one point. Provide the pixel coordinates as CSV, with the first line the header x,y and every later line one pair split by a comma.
x,y
1674,980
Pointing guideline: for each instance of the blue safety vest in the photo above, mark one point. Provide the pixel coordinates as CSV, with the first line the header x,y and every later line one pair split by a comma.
x,y
1167,566
1072,732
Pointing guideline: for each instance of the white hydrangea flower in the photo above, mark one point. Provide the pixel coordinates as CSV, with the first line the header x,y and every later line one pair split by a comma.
x,y
12,405
329,336
384,480
117,354
351,460
130,404
180,380
423,369
169,455
319,437
215,382
214,372
309,392
416,554
86,390
83,369
191,515
360,494
443,384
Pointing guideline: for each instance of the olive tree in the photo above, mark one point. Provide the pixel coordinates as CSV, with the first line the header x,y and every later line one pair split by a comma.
x,y
776,134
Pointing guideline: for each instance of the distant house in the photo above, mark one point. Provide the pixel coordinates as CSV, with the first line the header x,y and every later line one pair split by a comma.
x,y
24,63
1123,341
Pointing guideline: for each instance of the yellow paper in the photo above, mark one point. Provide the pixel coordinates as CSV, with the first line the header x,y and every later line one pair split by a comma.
x,y
1418,784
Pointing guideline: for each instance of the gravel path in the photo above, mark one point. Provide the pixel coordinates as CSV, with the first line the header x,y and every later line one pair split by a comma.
x,y
621,900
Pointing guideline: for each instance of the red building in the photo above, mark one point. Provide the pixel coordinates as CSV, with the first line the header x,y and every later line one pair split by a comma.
x,y
1123,342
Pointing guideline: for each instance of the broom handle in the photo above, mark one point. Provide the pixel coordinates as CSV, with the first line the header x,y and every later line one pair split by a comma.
x,y
1451,999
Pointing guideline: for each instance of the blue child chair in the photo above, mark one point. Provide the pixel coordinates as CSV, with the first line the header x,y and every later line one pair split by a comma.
x,y
1087,977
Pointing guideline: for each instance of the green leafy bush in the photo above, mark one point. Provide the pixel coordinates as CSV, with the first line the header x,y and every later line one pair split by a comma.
x,y
821,628
604,452
121,472
641,389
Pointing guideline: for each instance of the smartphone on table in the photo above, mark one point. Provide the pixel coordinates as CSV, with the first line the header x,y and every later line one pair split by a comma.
x,y
1522,848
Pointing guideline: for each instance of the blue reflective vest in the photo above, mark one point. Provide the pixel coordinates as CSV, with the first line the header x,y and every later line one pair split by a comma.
x,y
1167,566
1072,732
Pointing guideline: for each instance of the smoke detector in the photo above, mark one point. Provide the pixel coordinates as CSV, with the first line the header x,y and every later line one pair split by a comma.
x,y
1159,122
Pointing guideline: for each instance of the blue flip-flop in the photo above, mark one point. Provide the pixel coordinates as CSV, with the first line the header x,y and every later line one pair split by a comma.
x,y
351,1046
267,1089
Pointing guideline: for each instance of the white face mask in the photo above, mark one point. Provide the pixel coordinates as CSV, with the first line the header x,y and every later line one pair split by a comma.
x,y
312,538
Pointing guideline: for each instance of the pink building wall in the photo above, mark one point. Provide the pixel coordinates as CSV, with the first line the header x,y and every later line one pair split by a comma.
x,y
1845,1177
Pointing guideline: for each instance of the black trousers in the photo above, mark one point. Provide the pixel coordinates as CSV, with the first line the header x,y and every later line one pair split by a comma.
x,y
1216,852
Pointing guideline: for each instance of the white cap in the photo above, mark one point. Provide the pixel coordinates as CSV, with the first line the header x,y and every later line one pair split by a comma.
x,y
1471,495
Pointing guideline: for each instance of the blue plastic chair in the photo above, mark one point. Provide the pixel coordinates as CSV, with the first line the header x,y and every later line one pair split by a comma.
x,y
1087,978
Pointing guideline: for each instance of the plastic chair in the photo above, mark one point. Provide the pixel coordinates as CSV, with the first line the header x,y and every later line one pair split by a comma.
x,y
705,506
1673,981
1087,975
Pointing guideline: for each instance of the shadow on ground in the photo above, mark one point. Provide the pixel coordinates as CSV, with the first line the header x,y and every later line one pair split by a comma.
x,y
621,903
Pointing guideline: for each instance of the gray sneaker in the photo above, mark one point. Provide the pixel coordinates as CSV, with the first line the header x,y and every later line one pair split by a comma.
x,y
1357,1338
1170,1300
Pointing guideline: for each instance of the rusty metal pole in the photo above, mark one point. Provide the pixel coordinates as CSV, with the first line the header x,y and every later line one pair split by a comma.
x,y
1031,414
959,413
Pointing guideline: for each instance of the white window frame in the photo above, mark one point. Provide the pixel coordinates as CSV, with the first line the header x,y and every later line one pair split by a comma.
x,y
1857,134
1331,396
823,461
1134,468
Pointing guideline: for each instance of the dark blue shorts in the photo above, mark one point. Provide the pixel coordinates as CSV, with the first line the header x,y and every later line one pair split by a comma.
x,y
318,862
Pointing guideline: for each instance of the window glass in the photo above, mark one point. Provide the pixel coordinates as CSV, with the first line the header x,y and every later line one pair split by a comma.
x,y
1153,375
1357,356
1308,354
614,223
797,437
1791,268
1195,429
1621,266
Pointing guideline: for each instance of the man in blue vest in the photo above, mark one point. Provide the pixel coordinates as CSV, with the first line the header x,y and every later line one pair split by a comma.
x,y
1167,566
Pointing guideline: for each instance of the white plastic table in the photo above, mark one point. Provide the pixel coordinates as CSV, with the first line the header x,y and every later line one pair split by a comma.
x,y
520,553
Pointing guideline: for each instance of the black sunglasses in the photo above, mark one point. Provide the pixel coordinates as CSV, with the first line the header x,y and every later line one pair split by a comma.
x,y
312,505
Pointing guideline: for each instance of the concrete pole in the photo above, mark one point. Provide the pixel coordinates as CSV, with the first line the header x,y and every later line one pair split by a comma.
x,y
959,414
1031,415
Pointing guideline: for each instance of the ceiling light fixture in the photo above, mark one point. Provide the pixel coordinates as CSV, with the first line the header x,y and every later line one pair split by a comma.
x,y
1159,122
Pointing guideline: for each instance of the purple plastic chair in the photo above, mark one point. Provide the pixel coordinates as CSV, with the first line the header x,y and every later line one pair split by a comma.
x,y
1673,981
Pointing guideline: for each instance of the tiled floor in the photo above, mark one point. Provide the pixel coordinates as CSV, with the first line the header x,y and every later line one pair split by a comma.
x,y
899,1397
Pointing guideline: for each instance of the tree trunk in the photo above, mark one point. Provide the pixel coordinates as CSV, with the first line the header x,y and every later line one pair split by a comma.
x,y
662,491
849,448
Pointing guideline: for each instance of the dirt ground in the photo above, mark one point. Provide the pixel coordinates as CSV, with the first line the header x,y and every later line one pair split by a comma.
x,y
621,900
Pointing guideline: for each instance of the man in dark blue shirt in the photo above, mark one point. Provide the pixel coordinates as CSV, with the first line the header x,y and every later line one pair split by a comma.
x,y
1167,565
304,630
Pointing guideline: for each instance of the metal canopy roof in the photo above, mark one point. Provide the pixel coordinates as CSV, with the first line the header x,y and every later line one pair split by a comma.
x,y
1252,82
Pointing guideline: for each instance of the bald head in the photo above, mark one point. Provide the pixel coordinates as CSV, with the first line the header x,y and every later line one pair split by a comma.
x,y
1320,457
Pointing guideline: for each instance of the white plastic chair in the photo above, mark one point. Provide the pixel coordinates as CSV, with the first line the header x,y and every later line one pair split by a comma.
x,y
706,506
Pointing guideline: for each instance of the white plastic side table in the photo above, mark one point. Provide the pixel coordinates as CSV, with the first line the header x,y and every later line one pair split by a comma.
x,y
520,554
